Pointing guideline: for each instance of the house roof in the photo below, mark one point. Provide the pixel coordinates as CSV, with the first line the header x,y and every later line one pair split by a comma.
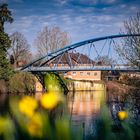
x,y
72,59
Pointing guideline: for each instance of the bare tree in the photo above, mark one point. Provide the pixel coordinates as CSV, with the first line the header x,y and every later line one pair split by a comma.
x,y
129,50
105,60
20,49
50,39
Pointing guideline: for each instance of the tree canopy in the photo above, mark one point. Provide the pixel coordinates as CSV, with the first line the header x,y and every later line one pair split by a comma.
x,y
20,49
129,49
5,15
50,39
105,60
5,43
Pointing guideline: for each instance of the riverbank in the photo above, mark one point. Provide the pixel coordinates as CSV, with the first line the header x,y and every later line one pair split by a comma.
x,y
117,91
19,82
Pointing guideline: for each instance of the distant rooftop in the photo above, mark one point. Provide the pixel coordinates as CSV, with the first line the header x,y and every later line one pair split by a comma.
x,y
72,58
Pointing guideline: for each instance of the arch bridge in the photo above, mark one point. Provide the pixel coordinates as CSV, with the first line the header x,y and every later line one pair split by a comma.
x,y
97,54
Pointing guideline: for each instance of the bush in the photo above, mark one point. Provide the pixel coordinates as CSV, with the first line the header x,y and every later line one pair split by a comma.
x,y
22,82
128,80
3,86
124,78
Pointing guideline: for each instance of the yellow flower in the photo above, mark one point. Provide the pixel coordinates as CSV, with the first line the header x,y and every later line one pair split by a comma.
x,y
27,106
122,115
3,124
50,100
7,128
35,125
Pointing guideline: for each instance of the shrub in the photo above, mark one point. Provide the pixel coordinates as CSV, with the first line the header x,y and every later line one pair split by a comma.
x,y
3,86
128,80
22,82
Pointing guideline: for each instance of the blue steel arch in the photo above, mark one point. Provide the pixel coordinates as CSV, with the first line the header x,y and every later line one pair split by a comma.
x,y
58,52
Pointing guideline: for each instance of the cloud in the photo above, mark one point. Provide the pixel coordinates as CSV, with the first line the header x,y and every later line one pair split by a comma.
x,y
82,19
10,1
3,1
91,3
109,1
62,2
17,0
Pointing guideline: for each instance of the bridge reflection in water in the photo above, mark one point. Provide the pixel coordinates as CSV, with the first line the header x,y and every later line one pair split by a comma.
x,y
84,107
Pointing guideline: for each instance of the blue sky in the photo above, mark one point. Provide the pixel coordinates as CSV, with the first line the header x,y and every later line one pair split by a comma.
x,y
82,19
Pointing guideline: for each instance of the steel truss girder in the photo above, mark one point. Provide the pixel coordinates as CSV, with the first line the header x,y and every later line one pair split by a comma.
x,y
59,52
61,69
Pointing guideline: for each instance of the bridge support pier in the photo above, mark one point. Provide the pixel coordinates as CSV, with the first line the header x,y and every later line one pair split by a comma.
x,y
40,84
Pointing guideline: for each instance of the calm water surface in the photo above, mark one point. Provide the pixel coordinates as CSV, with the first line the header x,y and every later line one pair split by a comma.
x,y
84,107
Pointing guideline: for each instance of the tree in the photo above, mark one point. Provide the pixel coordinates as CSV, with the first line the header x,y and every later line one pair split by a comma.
x,y
105,60
50,39
20,49
129,50
5,16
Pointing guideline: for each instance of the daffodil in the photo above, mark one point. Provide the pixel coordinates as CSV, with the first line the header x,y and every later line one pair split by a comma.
x,y
35,125
50,100
27,106
7,128
122,115
3,124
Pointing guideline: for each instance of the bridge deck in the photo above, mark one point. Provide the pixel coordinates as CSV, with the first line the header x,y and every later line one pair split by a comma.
x,y
79,68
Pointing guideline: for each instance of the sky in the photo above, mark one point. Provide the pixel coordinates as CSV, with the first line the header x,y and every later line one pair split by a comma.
x,y
81,19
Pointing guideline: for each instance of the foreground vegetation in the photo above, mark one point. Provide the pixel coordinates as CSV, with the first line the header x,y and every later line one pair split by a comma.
x,y
37,120
46,119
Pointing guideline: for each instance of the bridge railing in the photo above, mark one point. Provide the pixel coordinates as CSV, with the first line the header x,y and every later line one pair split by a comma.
x,y
82,68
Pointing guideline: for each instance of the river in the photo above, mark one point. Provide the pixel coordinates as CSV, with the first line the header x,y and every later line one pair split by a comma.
x,y
84,108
